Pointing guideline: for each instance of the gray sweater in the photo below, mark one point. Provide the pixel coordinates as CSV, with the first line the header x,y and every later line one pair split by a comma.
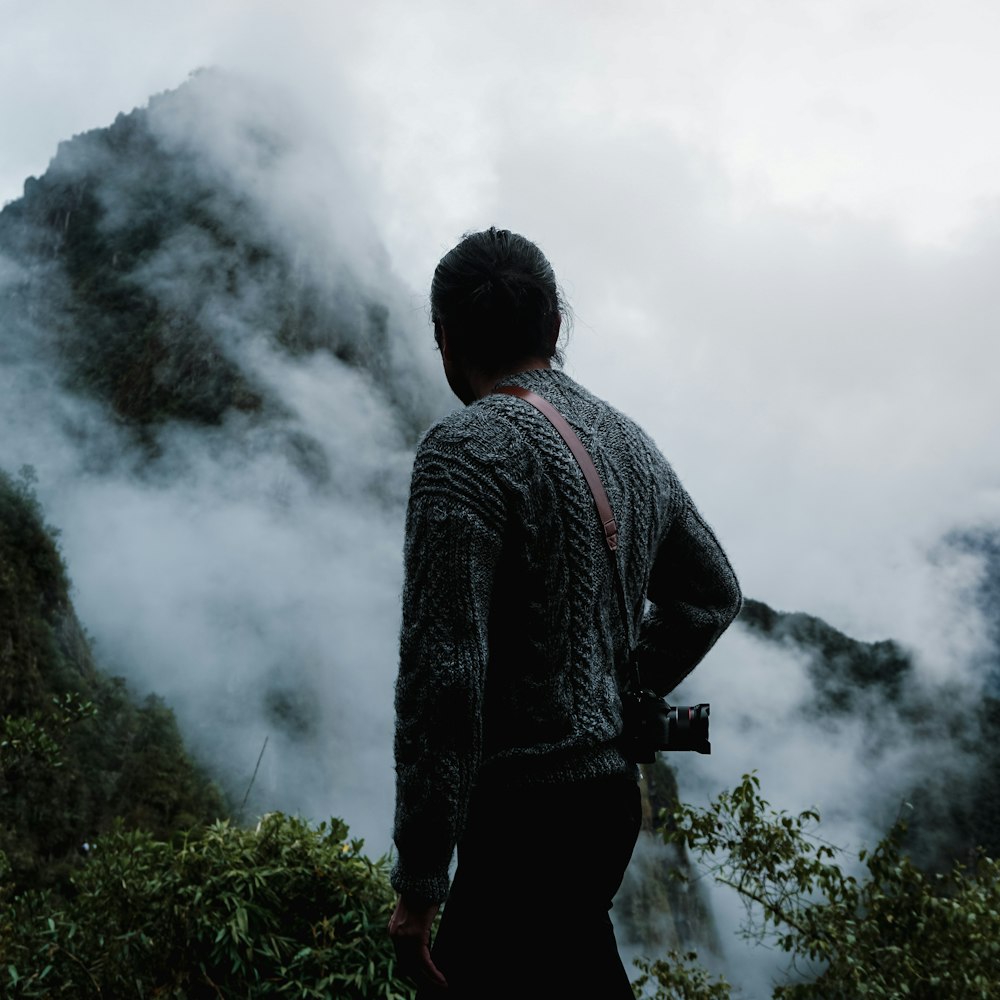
x,y
511,626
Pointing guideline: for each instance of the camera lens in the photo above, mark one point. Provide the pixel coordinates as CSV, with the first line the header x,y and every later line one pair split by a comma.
x,y
689,728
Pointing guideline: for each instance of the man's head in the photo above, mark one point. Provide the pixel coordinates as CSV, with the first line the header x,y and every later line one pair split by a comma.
x,y
494,297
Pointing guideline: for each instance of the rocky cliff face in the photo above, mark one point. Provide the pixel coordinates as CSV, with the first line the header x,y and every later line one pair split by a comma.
x,y
159,264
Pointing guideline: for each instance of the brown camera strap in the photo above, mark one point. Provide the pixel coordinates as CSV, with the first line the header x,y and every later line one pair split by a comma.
x,y
601,501
581,455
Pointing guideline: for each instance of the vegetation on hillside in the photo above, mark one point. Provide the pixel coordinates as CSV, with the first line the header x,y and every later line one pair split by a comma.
x,y
117,876
848,675
168,901
285,909
880,928
77,752
956,794
147,267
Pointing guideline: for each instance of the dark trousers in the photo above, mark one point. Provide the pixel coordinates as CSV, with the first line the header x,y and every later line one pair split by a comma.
x,y
527,915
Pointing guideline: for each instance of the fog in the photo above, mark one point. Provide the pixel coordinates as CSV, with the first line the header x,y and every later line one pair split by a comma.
x,y
777,232
248,572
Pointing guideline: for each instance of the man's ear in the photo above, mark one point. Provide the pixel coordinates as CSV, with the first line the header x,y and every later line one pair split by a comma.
x,y
554,336
442,340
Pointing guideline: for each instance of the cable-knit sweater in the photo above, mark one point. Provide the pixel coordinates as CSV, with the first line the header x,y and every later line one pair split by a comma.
x,y
511,626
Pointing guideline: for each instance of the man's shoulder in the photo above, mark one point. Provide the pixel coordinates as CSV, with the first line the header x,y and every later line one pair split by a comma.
x,y
482,432
615,425
503,431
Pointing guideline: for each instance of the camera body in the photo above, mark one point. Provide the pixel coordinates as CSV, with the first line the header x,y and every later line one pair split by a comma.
x,y
650,724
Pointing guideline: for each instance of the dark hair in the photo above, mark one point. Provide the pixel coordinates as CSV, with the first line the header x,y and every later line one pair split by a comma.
x,y
496,296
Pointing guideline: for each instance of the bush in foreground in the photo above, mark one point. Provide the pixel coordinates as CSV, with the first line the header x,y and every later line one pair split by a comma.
x,y
889,931
284,910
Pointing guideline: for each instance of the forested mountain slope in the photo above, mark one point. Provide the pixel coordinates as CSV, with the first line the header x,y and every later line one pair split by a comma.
x,y
76,750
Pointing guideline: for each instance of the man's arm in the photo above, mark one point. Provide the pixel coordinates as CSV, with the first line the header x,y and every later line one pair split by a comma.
x,y
694,595
454,534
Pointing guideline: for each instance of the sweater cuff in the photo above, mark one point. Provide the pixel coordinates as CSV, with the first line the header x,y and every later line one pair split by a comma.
x,y
426,889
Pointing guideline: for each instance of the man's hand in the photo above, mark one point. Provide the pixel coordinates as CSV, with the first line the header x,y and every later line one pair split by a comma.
x,y
410,930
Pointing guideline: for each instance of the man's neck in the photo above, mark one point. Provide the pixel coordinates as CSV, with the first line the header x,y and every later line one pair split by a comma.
x,y
482,385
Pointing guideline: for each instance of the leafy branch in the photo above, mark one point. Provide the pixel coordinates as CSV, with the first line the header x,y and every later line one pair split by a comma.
x,y
890,931
34,736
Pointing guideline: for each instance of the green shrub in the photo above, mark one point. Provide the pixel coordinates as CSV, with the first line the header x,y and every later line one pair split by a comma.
x,y
891,931
283,910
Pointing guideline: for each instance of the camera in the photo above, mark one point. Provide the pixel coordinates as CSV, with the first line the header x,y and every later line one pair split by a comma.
x,y
650,724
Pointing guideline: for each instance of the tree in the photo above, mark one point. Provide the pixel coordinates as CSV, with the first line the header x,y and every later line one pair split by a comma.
x,y
891,931
34,736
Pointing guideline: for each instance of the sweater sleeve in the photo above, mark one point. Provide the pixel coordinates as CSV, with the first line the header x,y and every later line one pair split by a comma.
x,y
694,597
454,534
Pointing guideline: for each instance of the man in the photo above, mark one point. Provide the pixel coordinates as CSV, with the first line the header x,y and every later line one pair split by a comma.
x,y
508,706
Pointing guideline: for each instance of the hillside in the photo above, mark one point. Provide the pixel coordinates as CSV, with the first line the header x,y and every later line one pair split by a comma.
x,y
954,797
119,758
186,325
152,270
